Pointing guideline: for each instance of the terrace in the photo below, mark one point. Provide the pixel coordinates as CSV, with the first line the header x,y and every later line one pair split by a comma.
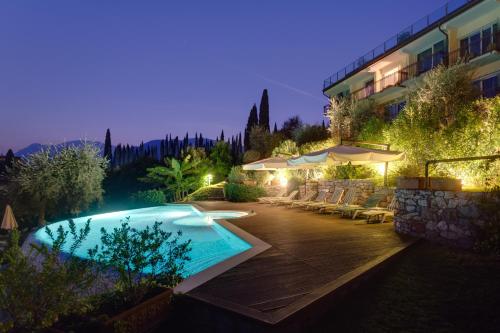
x,y
313,257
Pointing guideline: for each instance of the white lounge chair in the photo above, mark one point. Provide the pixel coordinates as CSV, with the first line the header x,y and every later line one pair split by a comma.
x,y
320,198
280,194
290,196
332,199
308,197
346,200
380,213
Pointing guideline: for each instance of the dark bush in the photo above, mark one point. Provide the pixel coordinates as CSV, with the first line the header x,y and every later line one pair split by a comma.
x,y
243,193
148,198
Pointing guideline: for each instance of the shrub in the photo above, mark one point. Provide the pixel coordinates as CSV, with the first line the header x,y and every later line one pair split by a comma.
x,y
349,171
33,295
211,192
489,238
310,133
286,149
148,198
243,193
251,156
138,257
236,175
293,183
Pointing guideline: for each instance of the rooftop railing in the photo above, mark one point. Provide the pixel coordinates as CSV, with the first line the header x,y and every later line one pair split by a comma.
x,y
443,12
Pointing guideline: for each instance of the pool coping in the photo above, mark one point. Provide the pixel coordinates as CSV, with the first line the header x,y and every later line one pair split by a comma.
x,y
258,246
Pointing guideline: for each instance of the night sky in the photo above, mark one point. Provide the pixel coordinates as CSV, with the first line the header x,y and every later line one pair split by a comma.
x,y
70,69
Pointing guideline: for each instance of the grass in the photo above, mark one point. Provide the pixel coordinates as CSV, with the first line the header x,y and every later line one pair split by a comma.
x,y
429,289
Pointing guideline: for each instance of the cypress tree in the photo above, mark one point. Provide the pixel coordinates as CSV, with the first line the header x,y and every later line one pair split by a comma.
x,y
222,135
162,149
107,146
9,158
275,128
264,111
253,121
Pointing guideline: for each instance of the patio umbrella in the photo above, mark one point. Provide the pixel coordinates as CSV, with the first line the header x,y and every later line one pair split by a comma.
x,y
267,164
344,154
9,221
341,154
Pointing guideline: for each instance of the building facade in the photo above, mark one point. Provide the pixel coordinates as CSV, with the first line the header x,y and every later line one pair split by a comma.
x,y
461,30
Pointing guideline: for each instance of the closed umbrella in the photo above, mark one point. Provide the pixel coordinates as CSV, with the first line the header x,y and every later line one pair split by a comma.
x,y
9,221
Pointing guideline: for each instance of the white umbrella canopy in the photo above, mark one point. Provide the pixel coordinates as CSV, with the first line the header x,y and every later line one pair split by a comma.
x,y
344,154
267,164
9,221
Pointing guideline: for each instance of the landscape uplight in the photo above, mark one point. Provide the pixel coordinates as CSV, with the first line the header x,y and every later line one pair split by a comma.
x,y
208,179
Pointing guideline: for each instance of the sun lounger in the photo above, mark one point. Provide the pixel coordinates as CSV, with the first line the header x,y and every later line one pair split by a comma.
x,y
379,214
290,196
308,197
320,198
371,202
346,200
333,199
263,200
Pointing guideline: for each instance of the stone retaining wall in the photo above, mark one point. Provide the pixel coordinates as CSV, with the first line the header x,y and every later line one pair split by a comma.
x,y
364,187
452,218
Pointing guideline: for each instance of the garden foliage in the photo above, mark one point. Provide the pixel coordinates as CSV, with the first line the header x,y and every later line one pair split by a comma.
x,y
37,288
243,193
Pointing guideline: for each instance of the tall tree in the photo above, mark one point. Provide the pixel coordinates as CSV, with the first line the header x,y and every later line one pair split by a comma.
x,y
222,135
9,158
253,120
107,146
264,111
275,128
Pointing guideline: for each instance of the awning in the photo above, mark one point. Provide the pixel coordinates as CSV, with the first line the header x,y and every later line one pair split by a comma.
x,y
271,163
9,221
344,154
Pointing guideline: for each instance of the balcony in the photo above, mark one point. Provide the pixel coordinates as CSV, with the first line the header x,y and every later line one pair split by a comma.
x,y
450,9
472,51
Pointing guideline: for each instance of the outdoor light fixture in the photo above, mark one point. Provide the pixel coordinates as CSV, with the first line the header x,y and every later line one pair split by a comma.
x,y
283,180
208,179
380,167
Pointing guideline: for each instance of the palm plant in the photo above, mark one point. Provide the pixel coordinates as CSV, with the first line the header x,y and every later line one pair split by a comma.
x,y
180,177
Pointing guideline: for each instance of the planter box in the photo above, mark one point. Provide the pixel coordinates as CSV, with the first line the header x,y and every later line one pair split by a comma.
x,y
144,317
436,183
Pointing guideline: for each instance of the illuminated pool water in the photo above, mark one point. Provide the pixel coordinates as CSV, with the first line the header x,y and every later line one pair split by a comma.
x,y
210,242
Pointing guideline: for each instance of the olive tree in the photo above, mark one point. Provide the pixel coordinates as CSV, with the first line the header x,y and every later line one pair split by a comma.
x,y
69,179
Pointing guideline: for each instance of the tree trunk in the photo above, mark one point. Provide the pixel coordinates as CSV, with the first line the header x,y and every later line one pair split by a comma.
x,y
41,216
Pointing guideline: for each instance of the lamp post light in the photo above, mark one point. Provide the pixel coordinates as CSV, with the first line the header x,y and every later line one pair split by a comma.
x,y
208,179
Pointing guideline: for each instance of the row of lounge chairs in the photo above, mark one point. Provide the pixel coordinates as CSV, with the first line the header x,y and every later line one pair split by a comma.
x,y
340,201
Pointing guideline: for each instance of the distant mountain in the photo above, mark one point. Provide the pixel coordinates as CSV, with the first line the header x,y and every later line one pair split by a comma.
x,y
36,147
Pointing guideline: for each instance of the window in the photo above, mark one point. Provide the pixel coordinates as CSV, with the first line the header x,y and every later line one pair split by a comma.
x,y
392,110
439,53
490,87
424,61
480,42
475,45
485,43
369,87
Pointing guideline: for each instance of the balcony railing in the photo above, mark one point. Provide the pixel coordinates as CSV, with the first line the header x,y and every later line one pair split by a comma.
x,y
473,50
450,8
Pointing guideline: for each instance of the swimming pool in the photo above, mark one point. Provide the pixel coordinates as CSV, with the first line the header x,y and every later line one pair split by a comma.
x,y
210,242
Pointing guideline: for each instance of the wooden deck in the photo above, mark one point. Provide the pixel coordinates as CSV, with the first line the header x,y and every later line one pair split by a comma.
x,y
311,255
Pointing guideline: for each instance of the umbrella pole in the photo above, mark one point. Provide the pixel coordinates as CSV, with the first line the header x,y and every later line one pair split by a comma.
x,y
385,173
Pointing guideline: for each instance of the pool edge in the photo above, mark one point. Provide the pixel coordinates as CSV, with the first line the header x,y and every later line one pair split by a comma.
x,y
258,246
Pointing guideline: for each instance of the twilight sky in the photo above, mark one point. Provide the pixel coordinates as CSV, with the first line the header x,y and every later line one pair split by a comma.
x,y
69,69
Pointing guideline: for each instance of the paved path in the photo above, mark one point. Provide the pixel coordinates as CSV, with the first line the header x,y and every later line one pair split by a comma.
x,y
309,251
